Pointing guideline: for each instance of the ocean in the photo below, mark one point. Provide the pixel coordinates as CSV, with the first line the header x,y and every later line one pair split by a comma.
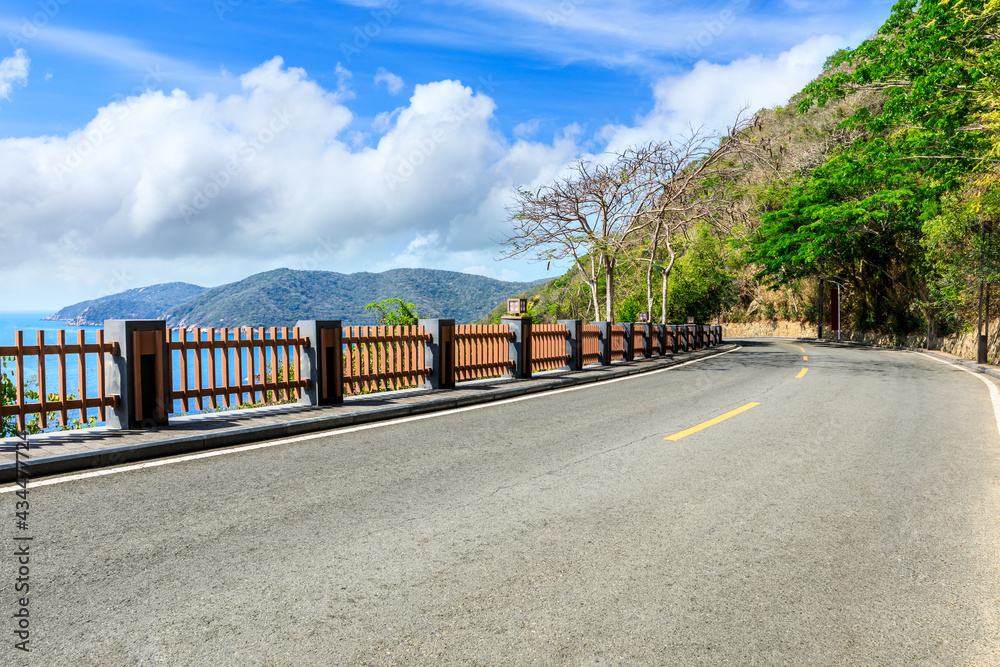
x,y
31,322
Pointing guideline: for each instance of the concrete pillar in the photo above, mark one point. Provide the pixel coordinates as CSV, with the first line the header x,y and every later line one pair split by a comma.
x,y
439,353
660,331
647,340
520,346
604,343
629,342
574,344
142,375
322,362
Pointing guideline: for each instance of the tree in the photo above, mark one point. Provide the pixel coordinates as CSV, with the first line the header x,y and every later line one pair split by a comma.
x,y
394,312
689,180
863,216
586,215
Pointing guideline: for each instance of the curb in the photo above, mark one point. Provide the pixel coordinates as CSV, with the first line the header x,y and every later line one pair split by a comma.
x,y
111,456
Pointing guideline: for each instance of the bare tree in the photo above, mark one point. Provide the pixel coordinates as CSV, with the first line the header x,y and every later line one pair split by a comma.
x,y
688,180
586,215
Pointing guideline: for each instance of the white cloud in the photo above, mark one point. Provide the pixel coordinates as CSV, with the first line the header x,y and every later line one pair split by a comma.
x,y
392,82
13,71
711,95
207,189
228,186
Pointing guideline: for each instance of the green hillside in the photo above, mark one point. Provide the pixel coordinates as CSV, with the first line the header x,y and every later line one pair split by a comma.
x,y
144,303
282,297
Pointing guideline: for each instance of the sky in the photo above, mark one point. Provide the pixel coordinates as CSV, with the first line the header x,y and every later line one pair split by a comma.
x,y
202,142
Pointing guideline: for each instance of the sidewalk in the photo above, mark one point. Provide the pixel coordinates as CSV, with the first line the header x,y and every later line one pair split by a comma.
x,y
70,451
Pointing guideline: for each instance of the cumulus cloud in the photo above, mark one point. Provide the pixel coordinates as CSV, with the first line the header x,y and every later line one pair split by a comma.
x,y
392,82
163,186
711,95
13,71
263,178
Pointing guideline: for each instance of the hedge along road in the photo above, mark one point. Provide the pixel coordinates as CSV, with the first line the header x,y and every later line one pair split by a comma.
x,y
849,517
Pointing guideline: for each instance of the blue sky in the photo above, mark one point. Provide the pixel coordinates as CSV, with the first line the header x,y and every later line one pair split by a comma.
x,y
146,142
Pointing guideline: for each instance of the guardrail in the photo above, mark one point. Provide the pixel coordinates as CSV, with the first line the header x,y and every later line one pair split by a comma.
x,y
61,402
481,351
144,368
222,368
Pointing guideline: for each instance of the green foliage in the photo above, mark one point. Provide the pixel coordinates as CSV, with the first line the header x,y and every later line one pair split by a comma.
x,y
394,312
629,309
702,282
8,396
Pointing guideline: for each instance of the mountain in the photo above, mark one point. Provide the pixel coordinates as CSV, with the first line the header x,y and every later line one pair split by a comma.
x,y
144,303
282,297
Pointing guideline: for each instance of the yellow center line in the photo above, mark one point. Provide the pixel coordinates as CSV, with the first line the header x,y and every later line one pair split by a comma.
x,y
802,373
711,422
805,358
802,350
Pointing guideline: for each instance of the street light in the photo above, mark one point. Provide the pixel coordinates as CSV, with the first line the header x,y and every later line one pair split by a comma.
x,y
517,306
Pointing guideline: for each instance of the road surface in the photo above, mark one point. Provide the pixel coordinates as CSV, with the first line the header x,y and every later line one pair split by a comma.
x,y
851,516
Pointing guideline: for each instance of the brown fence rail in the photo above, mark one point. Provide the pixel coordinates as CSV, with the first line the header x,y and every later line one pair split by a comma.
x,y
590,346
64,402
383,358
617,342
264,369
655,342
638,344
482,351
548,347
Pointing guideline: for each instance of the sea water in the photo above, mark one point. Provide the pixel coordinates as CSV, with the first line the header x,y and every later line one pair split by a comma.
x,y
31,322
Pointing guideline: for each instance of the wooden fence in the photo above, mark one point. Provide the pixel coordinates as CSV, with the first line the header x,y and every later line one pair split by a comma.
x,y
264,367
482,351
590,346
222,368
548,347
638,340
617,342
60,401
383,358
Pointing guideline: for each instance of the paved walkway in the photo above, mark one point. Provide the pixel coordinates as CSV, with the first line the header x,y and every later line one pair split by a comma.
x,y
67,451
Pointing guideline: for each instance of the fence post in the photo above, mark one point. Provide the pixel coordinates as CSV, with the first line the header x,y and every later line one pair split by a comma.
x,y
604,342
661,333
141,375
439,353
322,362
574,344
520,346
718,335
647,340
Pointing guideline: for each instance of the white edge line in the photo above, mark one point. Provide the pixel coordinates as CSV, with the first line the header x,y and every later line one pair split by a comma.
x,y
994,392
351,429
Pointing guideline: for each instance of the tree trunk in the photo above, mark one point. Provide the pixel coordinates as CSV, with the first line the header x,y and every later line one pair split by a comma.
x,y
666,279
609,287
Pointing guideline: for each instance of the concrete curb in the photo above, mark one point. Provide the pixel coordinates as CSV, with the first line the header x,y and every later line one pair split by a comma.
x,y
111,456
964,362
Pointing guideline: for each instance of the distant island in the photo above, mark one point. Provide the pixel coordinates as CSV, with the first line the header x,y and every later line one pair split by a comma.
x,y
282,297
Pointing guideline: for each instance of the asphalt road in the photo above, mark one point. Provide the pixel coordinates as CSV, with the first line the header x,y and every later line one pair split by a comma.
x,y
852,517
